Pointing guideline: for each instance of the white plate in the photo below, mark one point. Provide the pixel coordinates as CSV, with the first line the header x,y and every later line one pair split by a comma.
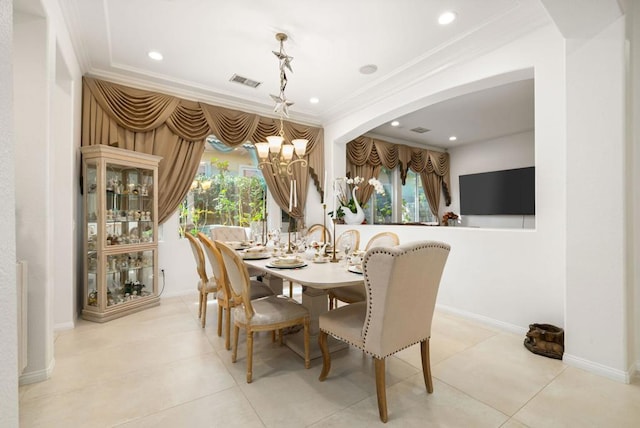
x,y
256,256
355,269
286,266
319,260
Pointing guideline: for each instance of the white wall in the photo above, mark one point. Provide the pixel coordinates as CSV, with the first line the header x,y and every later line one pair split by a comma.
x,y
47,102
633,28
509,278
32,74
63,187
596,255
513,151
8,334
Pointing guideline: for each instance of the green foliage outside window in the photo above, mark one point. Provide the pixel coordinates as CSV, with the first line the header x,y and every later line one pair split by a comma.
x,y
223,199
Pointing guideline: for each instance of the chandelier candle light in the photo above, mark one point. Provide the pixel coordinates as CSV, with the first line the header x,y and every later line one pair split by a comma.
x,y
276,153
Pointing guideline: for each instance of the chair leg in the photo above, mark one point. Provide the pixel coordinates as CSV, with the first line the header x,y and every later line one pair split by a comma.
x,y
236,333
426,365
326,357
381,389
228,327
204,309
200,305
307,360
291,289
331,301
249,355
220,311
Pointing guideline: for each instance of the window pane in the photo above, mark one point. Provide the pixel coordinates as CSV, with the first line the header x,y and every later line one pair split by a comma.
x,y
228,190
381,204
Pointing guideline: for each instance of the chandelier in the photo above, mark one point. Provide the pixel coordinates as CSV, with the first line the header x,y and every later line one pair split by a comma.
x,y
276,153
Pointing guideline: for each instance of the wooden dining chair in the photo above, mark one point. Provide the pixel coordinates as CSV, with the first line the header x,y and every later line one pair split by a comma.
x,y
226,298
383,239
401,288
271,313
314,233
206,285
349,237
356,293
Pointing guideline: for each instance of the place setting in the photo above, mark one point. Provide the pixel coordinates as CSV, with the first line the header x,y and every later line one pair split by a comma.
x,y
287,262
354,262
256,253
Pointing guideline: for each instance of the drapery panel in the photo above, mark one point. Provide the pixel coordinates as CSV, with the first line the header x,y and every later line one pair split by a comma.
x,y
176,129
366,156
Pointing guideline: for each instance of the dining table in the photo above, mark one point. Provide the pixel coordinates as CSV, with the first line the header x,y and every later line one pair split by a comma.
x,y
316,279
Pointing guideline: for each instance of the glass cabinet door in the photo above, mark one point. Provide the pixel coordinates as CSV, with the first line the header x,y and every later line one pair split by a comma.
x,y
129,276
129,205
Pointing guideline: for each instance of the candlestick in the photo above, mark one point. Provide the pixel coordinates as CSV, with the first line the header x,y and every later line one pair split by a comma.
x,y
291,226
324,222
290,194
264,217
334,259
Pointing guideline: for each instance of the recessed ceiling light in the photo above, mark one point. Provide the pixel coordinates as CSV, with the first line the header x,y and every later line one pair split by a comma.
x,y
395,123
453,138
155,55
447,18
314,100
368,69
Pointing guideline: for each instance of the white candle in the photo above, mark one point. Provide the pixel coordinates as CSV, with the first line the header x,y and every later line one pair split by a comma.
x,y
333,193
324,188
290,194
295,193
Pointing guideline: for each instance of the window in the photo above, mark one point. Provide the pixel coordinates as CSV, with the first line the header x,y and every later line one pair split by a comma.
x,y
228,189
411,207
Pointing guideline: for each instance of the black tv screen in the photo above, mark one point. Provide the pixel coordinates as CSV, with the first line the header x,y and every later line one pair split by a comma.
x,y
511,191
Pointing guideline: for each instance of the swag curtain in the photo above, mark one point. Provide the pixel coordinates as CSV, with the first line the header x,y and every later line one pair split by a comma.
x,y
366,156
176,129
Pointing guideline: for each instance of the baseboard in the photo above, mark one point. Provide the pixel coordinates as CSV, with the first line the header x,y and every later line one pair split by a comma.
x,y
63,326
27,378
490,322
598,369
179,293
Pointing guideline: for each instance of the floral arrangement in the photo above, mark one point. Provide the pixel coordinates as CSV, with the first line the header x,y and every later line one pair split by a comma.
x,y
448,216
345,188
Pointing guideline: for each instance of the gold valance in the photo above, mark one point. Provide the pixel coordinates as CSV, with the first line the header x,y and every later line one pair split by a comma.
x,y
365,157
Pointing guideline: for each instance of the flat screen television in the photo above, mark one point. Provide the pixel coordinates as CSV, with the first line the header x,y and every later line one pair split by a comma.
x,y
511,191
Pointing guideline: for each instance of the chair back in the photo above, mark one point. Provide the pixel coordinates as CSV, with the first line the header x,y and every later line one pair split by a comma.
x,y
217,266
228,233
237,275
198,255
351,236
383,239
402,285
314,233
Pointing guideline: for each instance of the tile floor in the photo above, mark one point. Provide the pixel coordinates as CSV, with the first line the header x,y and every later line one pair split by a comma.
x,y
158,368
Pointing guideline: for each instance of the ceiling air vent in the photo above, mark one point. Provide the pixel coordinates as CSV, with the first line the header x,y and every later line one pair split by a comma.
x,y
420,130
245,81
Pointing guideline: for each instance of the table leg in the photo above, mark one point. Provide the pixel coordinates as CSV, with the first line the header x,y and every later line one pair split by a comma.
x,y
317,303
273,282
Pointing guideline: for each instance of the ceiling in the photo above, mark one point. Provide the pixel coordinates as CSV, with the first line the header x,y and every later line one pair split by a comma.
x,y
206,42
